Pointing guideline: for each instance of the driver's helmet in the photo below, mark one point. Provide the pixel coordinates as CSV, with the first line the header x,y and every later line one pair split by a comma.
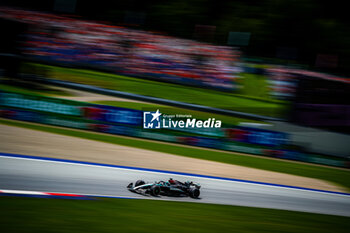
x,y
171,181
188,183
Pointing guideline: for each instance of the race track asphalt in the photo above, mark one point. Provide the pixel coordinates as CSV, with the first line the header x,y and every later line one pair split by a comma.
x,y
54,176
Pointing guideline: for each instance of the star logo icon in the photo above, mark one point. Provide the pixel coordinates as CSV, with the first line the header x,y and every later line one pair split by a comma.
x,y
156,115
151,120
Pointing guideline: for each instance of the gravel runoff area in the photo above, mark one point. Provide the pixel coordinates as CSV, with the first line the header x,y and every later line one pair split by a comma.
x,y
31,142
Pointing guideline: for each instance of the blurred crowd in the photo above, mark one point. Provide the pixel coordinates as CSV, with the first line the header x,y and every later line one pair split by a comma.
x,y
283,81
128,51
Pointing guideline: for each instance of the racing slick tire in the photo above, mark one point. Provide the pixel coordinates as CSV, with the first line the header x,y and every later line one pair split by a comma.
x,y
139,182
194,192
155,190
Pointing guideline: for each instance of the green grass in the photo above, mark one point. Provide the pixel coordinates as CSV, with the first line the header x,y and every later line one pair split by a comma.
x,y
255,86
173,110
136,105
181,93
20,214
337,176
39,90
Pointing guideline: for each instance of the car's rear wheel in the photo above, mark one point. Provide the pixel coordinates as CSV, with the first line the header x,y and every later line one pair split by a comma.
x,y
139,182
155,190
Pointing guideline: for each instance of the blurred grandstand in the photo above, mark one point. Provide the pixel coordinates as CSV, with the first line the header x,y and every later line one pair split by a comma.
x,y
54,39
82,43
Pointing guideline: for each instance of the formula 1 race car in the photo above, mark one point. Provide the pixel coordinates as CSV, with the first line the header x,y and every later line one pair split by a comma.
x,y
166,188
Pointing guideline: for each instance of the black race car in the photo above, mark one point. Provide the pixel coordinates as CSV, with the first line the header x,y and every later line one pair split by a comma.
x,y
166,188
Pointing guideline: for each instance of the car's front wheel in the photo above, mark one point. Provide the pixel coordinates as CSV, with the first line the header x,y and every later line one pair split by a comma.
x,y
194,192
139,182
